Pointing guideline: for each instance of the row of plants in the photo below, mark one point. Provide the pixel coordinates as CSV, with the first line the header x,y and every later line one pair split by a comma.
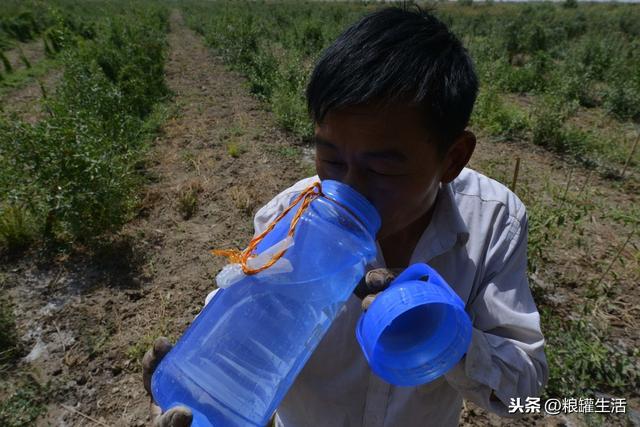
x,y
57,24
588,54
275,46
569,59
75,174
22,21
27,20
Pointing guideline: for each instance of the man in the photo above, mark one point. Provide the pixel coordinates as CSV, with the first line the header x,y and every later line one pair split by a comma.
x,y
390,101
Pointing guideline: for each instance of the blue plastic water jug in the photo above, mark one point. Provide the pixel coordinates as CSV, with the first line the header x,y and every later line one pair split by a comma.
x,y
416,330
239,357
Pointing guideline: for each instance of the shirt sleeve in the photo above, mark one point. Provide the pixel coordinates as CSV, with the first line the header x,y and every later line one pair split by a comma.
x,y
506,357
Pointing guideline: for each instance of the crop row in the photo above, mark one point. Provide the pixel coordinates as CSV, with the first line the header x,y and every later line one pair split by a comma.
x,y
564,61
74,174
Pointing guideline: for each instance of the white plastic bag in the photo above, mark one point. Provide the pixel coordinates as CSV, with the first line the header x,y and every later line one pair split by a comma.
x,y
232,273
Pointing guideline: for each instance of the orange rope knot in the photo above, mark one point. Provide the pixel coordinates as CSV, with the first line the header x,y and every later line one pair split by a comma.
x,y
241,257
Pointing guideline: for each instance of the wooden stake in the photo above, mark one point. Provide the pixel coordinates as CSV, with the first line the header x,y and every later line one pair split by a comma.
x,y
615,258
515,175
633,150
566,189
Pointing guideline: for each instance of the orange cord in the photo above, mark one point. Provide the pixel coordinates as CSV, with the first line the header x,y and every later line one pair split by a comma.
x,y
241,257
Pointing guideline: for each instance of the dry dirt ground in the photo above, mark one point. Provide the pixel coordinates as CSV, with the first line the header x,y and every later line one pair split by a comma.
x,y
87,317
25,101
32,51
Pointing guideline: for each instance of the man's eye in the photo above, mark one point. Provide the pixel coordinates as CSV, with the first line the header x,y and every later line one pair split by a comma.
x,y
333,163
375,172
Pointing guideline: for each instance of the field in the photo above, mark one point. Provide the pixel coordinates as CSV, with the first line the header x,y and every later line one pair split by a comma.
x,y
136,136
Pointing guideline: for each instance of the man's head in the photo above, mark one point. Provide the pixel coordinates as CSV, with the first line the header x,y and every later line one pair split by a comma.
x,y
390,100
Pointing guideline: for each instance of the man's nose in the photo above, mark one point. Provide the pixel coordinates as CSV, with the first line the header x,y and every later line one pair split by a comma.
x,y
356,179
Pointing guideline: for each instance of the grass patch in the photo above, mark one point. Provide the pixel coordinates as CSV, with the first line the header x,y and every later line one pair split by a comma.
x,y
160,328
581,362
24,404
497,117
235,149
243,199
18,228
188,200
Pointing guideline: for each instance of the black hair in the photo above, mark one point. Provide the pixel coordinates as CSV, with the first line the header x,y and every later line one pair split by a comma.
x,y
398,55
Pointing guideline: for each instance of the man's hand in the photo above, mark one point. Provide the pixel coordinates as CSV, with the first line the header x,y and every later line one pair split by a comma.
x,y
374,282
179,416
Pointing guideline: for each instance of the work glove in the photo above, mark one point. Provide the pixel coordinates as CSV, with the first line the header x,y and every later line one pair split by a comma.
x,y
179,416
374,282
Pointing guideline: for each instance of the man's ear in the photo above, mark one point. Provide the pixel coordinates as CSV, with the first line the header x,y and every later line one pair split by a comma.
x,y
458,156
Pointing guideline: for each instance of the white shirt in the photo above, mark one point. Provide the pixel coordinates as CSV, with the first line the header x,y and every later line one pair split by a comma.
x,y
477,241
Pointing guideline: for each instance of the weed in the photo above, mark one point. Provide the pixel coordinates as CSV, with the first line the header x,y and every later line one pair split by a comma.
x,y
576,346
135,352
17,228
24,404
8,68
286,151
499,119
188,200
243,199
187,204
234,149
237,130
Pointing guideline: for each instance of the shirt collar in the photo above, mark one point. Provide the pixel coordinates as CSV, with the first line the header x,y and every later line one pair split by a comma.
x,y
446,229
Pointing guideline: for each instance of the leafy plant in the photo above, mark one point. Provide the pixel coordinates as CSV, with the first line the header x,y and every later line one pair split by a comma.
x,y
74,174
24,404
578,347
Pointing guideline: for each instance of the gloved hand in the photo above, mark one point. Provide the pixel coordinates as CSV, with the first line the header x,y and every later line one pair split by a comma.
x,y
374,282
179,416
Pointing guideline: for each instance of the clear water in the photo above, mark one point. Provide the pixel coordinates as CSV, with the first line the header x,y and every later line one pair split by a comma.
x,y
237,360
239,365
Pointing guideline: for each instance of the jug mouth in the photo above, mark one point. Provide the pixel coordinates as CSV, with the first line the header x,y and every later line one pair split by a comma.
x,y
354,202
416,330
426,359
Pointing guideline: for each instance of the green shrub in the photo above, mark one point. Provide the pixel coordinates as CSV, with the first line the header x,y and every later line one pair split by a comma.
x,y
499,119
549,130
576,346
22,27
74,174
622,100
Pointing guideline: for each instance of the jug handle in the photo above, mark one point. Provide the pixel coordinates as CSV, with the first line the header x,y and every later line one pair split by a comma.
x,y
418,271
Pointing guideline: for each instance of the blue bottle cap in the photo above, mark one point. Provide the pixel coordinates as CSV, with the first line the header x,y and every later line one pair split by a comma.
x,y
416,330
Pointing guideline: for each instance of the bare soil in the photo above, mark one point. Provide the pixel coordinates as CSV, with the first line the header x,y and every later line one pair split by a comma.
x,y
88,316
26,101
33,51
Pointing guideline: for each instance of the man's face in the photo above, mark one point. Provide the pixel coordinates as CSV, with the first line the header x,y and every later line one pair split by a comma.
x,y
386,156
